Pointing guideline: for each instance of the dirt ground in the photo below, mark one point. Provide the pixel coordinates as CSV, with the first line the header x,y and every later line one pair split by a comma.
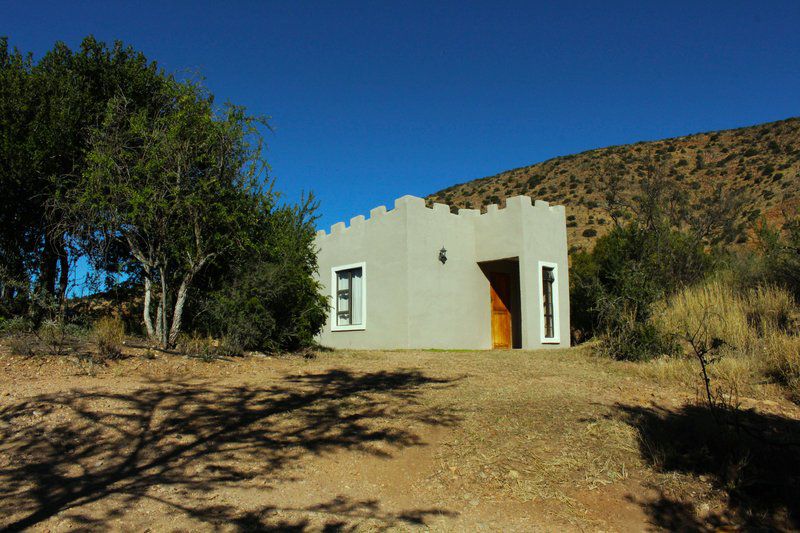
x,y
365,441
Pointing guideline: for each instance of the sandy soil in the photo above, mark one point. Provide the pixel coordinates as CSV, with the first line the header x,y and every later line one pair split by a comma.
x,y
363,441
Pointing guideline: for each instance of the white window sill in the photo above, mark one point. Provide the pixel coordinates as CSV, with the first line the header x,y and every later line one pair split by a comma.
x,y
348,328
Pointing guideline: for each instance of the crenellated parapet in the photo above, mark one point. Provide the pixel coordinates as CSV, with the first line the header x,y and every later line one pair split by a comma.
x,y
414,206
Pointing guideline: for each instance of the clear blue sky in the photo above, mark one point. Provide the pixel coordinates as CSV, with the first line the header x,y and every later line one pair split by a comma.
x,y
373,100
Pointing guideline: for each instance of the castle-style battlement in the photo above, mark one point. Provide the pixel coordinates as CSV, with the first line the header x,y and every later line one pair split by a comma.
x,y
416,205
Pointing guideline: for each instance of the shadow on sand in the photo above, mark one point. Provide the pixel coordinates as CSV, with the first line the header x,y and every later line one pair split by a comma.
x,y
755,462
167,440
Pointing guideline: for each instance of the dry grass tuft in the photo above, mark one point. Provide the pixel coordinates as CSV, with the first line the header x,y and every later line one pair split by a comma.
x,y
109,334
756,326
782,361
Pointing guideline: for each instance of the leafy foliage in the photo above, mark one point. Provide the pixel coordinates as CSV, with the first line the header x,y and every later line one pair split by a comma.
x,y
269,301
613,288
105,156
781,249
46,109
176,183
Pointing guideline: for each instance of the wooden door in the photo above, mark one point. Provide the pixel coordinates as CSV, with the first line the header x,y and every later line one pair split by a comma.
x,y
500,288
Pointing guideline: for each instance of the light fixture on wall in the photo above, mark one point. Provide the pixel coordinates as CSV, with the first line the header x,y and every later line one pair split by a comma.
x,y
443,255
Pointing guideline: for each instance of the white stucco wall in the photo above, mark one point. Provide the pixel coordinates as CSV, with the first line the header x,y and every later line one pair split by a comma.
x,y
414,301
447,302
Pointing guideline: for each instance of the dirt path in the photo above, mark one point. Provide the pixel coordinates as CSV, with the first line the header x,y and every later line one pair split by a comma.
x,y
445,441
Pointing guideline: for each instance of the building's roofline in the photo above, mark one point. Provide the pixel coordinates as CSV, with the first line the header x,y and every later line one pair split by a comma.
x,y
409,202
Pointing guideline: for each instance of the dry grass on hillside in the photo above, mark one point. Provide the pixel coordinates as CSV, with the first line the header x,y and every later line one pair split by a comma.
x,y
759,328
763,162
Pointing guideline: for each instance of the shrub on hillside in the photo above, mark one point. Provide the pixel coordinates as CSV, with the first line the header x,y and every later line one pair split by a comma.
x,y
614,289
534,181
781,249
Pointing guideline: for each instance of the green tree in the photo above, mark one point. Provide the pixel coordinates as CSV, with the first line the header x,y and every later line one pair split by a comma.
x,y
18,221
177,184
46,109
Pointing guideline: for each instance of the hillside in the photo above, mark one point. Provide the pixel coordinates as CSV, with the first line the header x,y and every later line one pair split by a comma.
x,y
762,162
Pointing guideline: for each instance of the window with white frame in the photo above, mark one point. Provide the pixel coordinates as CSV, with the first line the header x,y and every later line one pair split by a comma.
x,y
548,299
348,284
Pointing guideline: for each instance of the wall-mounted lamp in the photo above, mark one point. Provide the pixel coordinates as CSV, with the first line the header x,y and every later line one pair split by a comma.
x,y
443,255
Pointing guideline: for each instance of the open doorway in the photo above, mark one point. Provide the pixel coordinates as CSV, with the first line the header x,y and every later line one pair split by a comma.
x,y
504,302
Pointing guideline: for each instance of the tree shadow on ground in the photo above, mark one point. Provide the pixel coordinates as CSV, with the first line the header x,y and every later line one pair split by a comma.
x,y
754,462
165,441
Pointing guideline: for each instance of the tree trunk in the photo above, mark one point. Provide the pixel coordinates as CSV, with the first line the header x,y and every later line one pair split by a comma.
x,y
178,312
48,265
148,296
63,274
183,293
164,325
159,323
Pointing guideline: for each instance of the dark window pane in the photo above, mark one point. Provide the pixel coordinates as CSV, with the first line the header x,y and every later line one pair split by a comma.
x,y
548,277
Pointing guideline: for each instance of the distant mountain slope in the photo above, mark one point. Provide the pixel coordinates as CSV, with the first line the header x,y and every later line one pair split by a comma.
x,y
763,161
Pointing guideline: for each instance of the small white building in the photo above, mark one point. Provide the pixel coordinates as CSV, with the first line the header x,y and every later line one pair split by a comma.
x,y
416,277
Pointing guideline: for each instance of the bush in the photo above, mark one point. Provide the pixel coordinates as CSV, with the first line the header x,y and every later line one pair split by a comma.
x,y
627,339
109,335
583,289
208,348
614,289
589,232
269,307
534,181
16,326
55,335
23,345
627,331
196,345
781,249
269,301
